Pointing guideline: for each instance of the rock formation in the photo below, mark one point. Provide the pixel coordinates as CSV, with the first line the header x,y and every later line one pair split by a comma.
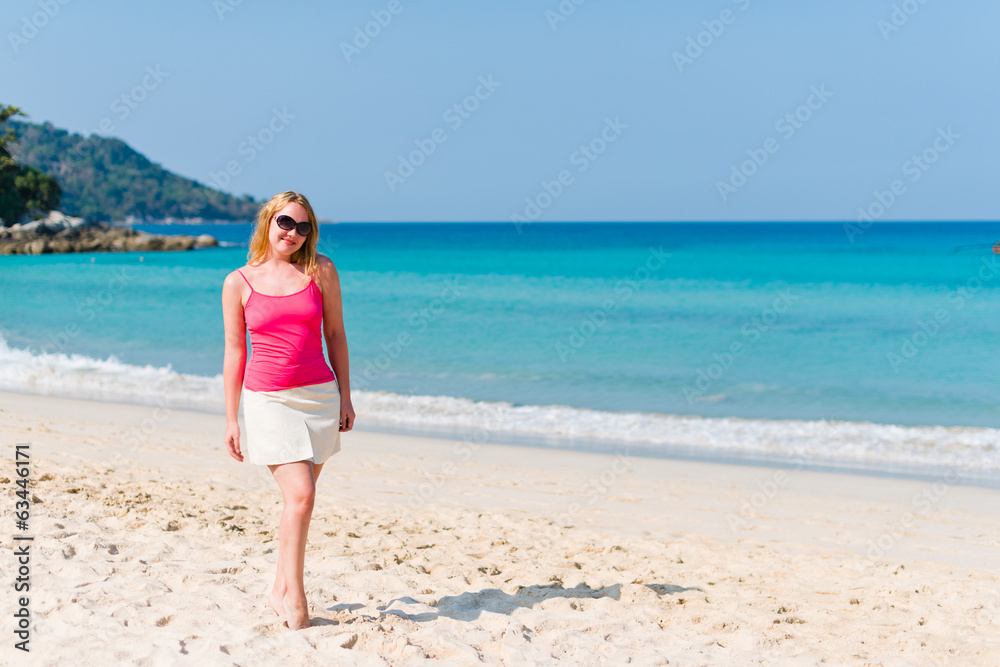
x,y
62,233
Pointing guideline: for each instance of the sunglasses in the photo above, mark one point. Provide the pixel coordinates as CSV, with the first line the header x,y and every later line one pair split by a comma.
x,y
288,223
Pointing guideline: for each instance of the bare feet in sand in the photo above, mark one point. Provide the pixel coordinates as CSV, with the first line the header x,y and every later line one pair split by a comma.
x,y
276,603
296,613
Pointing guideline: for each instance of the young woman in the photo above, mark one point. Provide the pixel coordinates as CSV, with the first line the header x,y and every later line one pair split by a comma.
x,y
294,405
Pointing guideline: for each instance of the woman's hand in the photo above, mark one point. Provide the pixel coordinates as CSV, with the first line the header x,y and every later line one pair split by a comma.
x,y
346,415
232,440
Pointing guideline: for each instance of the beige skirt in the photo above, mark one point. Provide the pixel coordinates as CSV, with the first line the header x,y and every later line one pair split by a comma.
x,y
297,424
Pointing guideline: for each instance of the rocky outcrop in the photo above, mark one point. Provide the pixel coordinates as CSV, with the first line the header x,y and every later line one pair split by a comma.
x,y
60,233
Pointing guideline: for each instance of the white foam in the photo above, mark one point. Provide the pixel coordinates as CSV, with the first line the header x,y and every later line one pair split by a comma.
x,y
859,445
969,451
79,376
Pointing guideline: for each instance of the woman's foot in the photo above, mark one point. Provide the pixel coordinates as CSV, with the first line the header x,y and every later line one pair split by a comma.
x,y
276,602
296,613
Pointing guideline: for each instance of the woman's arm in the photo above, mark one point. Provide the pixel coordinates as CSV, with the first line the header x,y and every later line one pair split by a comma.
x,y
234,362
335,337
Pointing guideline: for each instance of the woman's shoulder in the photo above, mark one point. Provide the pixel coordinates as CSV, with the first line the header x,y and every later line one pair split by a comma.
x,y
238,276
324,267
246,270
326,272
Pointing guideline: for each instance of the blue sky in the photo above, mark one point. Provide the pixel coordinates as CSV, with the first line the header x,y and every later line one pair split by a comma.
x,y
588,115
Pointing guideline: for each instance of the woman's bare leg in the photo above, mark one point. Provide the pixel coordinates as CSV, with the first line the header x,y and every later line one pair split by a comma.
x,y
297,482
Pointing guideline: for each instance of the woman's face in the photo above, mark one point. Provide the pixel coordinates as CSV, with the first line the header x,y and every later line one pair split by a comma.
x,y
286,242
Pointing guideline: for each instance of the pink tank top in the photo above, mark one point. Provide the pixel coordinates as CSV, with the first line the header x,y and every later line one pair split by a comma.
x,y
286,339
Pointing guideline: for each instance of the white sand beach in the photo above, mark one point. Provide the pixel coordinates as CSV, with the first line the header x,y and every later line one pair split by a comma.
x,y
152,546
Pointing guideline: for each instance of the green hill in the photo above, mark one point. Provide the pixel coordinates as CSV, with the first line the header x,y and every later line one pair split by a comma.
x,y
105,179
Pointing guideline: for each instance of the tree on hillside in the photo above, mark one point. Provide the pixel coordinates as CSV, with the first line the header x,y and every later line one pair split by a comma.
x,y
24,190
105,179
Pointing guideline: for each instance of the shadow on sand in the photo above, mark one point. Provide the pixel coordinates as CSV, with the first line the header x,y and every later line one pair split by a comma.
x,y
468,606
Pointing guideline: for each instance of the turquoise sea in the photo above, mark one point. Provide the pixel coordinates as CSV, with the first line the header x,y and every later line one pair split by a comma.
x,y
844,347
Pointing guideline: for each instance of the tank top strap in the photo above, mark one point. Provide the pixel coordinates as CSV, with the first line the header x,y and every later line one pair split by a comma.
x,y
247,281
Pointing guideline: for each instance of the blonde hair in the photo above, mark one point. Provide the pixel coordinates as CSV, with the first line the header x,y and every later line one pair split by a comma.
x,y
260,247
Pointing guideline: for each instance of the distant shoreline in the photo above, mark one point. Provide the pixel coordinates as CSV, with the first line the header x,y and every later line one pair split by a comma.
x,y
549,223
197,221
59,233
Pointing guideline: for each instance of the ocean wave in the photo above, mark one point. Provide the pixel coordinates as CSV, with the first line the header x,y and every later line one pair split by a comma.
x,y
80,376
971,452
